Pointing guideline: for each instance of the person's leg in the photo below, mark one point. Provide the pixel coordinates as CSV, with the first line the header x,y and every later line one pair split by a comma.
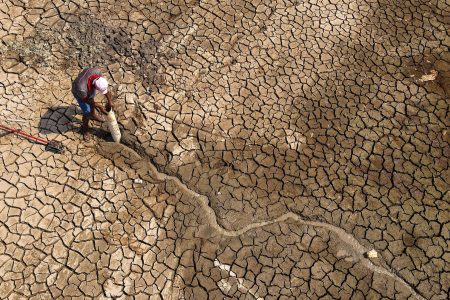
x,y
86,109
85,128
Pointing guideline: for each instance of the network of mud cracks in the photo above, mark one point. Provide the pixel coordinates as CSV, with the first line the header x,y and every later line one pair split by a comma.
x,y
267,147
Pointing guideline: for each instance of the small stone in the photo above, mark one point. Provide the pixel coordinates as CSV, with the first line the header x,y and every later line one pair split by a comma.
x,y
429,77
372,254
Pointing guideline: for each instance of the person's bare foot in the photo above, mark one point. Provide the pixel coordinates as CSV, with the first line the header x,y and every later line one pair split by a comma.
x,y
86,136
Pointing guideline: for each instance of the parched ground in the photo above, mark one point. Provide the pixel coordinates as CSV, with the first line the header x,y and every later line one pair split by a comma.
x,y
267,146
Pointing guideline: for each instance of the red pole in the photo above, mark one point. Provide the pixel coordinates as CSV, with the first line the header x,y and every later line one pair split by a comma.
x,y
17,131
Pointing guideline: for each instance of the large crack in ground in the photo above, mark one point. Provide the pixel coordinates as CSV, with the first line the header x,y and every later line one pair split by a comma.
x,y
357,248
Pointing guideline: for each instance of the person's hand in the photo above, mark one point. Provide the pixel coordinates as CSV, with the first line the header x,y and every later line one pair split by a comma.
x,y
109,106
101,109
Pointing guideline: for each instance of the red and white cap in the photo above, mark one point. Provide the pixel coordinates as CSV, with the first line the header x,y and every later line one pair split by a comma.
x,y
101,85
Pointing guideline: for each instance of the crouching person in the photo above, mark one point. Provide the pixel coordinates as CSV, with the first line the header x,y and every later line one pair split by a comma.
x,y
84,88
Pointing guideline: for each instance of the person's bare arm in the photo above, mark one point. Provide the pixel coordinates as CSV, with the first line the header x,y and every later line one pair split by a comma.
x,y
110,103
94,105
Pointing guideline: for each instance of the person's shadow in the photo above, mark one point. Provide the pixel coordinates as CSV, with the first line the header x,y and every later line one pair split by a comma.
x,y
62,119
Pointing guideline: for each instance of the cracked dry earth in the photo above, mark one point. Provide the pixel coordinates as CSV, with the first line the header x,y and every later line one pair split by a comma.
x,y
267,146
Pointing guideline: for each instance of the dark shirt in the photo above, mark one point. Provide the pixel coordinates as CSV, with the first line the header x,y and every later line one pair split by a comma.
x,y
82,86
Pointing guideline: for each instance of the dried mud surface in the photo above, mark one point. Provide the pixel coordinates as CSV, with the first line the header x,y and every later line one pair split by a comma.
x,y
267,147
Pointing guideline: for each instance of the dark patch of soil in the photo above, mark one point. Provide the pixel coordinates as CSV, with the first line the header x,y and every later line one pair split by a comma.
x,y
83,41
